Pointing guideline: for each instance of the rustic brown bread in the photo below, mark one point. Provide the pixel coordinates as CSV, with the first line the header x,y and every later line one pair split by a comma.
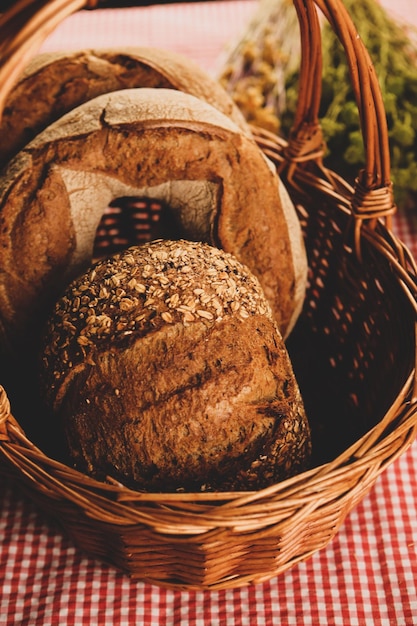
x,y
56,82
158,143
168,372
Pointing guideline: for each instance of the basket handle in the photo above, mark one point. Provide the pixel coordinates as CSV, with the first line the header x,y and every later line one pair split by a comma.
x,y
24,27
372,197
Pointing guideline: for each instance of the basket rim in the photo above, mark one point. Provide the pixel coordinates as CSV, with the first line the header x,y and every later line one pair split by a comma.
x,y
339,483
370,447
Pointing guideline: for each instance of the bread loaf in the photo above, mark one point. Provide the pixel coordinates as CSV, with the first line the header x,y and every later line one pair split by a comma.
x,y
168,372
158,143
53,83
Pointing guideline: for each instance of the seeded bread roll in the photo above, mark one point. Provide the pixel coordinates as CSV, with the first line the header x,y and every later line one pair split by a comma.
x,y
56,82
158,143
168,372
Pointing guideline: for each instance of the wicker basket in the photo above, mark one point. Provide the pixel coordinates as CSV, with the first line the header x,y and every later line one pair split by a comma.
x,y
354,352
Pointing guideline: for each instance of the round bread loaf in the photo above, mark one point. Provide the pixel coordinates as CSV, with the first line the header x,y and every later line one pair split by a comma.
x,y
158,143
168,372
53,83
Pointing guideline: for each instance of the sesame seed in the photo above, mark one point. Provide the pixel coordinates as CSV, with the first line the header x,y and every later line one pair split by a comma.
x,y
173,300
205,298
76,303
188,316
167,317
205,314
138,290
83,340
126,304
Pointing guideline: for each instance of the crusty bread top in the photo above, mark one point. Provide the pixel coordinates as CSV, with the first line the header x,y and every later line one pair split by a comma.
x,y
130,107
139,292
54,83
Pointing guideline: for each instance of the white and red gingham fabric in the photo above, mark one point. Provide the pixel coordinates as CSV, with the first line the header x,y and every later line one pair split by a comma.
x,y
367,576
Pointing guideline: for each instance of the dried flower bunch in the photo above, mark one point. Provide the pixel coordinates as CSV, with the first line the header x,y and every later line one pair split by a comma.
x,y
261,73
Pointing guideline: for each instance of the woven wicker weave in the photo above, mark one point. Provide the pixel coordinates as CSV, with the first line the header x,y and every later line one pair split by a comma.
x,y
354,352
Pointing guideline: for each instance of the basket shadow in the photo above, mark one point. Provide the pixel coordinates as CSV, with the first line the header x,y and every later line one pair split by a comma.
x,y
351,349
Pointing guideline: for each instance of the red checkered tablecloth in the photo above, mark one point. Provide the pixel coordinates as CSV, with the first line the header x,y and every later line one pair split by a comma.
x,y
365,577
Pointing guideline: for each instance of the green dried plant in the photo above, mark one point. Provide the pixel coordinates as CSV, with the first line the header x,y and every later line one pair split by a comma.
x,y
271,102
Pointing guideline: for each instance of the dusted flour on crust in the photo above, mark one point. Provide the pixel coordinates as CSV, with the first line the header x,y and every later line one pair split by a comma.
x,y
54,83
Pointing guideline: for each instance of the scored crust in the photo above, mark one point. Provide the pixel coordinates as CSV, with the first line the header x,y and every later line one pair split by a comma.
x,y
53,83
167,370
158,143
